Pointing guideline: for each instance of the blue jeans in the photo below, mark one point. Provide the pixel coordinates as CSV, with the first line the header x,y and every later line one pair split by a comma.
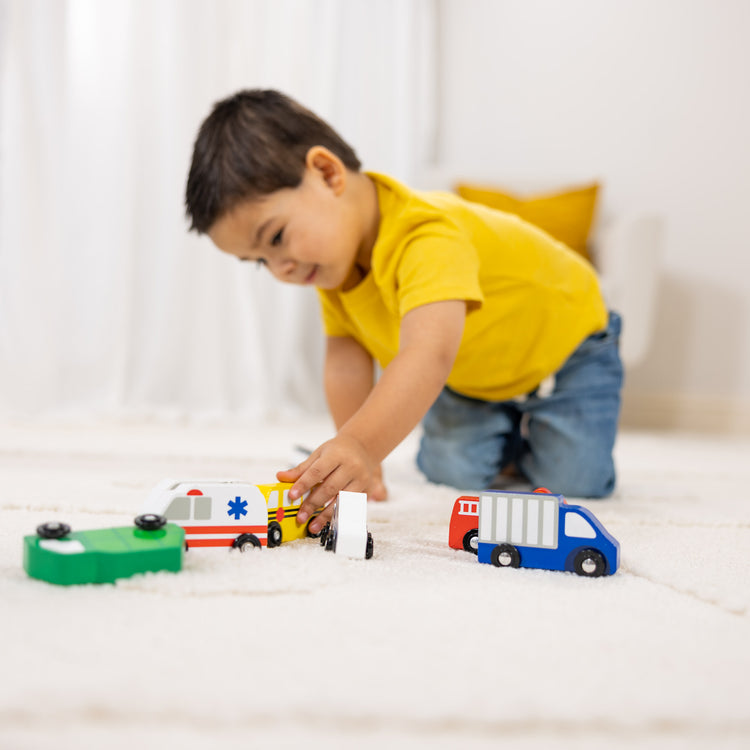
x,y
561,440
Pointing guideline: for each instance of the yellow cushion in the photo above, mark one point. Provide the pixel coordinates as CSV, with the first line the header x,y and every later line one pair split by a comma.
x,y
566,215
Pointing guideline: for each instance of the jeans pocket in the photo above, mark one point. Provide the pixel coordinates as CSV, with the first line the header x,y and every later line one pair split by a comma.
x,y
606,337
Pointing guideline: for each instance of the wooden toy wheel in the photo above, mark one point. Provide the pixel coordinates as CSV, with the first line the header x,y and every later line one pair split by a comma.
x,y
246,542
331,540
150,521
470,541
274,534
589,562
505,556
53,530
324,534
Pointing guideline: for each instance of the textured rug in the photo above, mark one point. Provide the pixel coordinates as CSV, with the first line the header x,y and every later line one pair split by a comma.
x,y
421,646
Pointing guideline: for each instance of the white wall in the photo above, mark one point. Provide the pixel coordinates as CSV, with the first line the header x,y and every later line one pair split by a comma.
x,y
652,97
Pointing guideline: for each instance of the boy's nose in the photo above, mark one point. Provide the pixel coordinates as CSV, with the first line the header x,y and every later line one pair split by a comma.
x,y
285,268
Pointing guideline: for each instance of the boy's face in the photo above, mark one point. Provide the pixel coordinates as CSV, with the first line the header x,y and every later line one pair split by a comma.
x,y
305,235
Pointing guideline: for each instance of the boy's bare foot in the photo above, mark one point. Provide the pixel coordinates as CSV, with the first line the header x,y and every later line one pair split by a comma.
x,y
510,479
511,471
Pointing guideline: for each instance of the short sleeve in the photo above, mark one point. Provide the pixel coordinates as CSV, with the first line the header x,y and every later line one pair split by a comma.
x,y
333,316
435,268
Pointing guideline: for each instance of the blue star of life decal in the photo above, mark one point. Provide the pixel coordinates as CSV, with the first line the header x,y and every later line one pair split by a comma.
x,y
237,508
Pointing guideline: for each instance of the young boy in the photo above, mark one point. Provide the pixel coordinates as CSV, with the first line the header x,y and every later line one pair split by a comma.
x,y
488,331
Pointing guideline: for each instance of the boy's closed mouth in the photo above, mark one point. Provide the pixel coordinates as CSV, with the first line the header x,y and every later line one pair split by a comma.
x,y
311,276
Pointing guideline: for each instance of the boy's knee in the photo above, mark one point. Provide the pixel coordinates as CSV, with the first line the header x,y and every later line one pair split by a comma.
x,y
443,464
594,486
464,441
586,481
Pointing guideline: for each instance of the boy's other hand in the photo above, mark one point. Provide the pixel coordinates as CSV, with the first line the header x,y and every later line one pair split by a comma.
x,y
341,463
378,490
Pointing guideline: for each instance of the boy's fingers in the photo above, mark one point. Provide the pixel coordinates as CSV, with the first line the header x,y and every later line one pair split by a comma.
x,y
318,498
317,523
314,473
323,494
294,473
289,475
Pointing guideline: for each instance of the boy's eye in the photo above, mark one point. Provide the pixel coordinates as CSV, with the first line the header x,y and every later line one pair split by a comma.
x,y
276,239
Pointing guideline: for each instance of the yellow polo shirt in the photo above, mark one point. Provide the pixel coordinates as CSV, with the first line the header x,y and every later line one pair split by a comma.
x,y
530,299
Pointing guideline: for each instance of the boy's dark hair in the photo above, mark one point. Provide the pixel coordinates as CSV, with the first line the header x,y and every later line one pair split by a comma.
x,y
252,144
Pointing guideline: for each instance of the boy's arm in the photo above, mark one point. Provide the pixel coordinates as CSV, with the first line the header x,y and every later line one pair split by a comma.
x,y
348,377
430,336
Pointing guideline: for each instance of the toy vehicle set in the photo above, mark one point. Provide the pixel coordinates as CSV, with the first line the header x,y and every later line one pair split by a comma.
x,y
533,530
179,515
505,529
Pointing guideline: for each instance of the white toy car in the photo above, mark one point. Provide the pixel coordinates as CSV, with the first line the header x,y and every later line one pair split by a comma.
x,y
347,533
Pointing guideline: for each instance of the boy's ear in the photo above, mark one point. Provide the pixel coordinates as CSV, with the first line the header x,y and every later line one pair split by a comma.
x,y
319,159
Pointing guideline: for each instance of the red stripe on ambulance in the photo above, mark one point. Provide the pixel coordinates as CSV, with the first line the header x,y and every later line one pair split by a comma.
x,y
226,530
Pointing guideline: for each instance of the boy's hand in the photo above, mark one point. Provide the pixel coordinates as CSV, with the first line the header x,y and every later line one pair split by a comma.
x,y
378,490
341,463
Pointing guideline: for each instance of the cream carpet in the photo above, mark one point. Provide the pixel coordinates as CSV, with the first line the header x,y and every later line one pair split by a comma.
x,y
419,647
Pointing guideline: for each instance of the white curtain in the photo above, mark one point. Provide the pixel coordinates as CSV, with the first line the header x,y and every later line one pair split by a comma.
x,y
108,308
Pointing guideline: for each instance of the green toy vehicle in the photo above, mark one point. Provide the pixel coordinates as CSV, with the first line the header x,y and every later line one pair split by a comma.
x,y
57,555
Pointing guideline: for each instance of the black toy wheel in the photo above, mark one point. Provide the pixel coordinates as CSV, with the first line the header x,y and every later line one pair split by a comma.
x,y
505,556
246,542
53,530
324,534
331,541
150,521
590,563
370,548
312,535
274,534
471,541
